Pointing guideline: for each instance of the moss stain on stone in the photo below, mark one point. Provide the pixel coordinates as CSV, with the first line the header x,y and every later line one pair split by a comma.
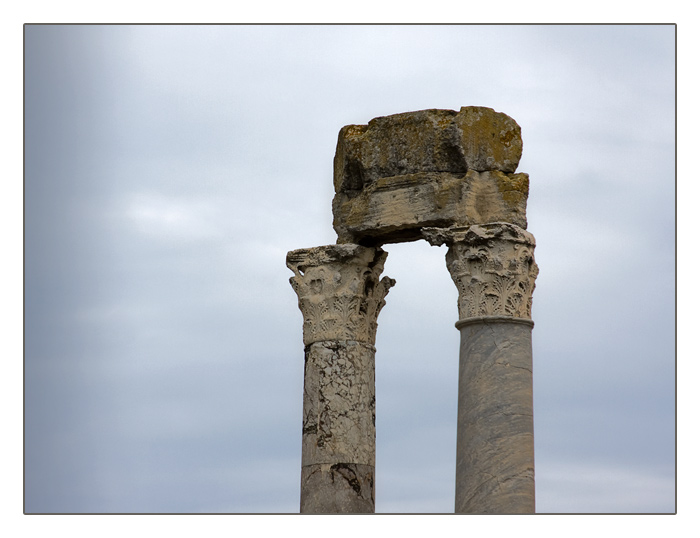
x,y
355,131
507,137
513,188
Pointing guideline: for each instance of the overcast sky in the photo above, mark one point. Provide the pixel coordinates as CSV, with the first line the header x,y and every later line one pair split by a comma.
x,y
169,169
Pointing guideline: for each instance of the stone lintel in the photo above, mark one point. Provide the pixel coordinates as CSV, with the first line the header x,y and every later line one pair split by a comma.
x,y
436,168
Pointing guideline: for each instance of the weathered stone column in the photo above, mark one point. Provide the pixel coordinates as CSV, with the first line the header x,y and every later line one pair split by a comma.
x,y
449,176
494,269
340,296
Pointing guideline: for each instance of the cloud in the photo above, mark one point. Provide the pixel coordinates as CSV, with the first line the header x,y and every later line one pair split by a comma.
x,y
595,488
170,219
170,168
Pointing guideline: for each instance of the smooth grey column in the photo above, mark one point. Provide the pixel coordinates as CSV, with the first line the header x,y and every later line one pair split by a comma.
x,y
495,437
494,270
340,295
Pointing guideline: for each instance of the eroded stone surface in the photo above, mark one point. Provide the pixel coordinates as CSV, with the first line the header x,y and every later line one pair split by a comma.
x,y
340,291
338,432
493,267
339,404
337,489
437,168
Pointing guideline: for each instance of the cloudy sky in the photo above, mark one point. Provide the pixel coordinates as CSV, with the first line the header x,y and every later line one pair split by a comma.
x,y
169,169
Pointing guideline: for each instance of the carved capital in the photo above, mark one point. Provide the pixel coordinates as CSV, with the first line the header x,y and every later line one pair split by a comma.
x,y
340,292
493,267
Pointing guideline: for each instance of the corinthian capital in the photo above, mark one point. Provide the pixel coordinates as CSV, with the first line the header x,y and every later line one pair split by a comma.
x,y
493,267
340,292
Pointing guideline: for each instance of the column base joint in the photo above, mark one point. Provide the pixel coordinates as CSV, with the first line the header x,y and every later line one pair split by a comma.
x,y
493,319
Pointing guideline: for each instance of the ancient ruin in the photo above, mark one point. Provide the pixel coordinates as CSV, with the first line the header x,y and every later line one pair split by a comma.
x,y
449,178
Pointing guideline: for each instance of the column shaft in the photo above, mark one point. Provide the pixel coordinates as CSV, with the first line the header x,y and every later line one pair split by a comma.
x,y
495,438
338,444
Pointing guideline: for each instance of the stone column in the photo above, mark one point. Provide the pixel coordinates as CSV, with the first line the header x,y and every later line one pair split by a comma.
x,y
494,270
340,296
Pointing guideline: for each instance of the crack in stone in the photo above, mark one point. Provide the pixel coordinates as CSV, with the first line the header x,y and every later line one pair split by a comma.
x,y
348,474
509,365
504,348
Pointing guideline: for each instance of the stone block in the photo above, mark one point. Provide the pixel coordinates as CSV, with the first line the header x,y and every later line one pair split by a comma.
x,y
436,168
